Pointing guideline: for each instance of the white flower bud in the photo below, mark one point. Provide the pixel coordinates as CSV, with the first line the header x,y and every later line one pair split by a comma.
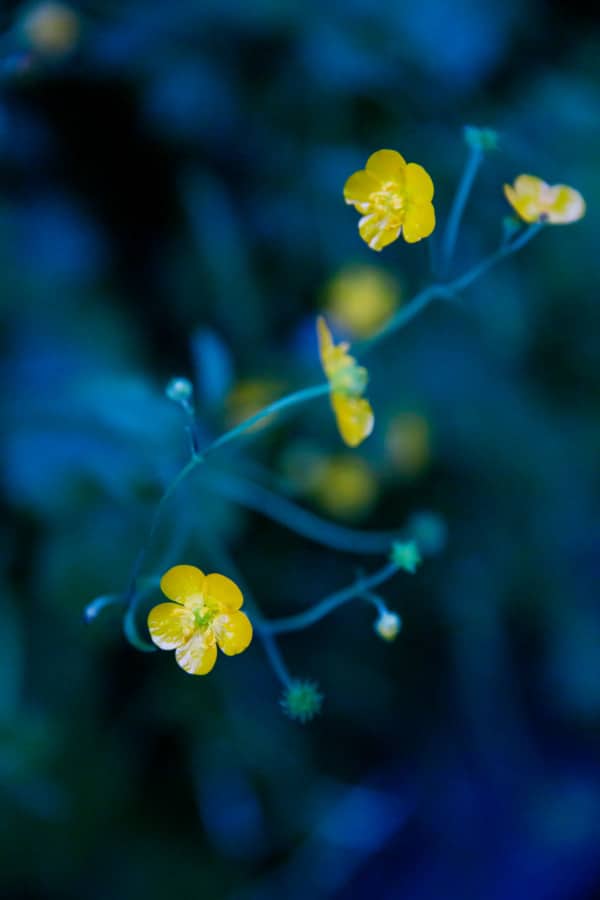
x,y
388,625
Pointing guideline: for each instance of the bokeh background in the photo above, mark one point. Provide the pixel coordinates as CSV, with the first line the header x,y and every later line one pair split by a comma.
x,y
170,204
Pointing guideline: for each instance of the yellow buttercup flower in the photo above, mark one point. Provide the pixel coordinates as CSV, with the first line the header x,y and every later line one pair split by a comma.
x,y
361,298
535,201
204,613
348,381
342,484
394,197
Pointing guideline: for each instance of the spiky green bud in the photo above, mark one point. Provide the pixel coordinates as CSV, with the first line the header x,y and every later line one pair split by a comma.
x,y
302,701
405,554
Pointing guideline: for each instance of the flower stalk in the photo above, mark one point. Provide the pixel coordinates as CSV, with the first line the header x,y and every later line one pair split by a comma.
x,y
360,588
474,160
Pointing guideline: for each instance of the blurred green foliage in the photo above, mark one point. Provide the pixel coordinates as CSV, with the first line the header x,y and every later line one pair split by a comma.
x,y
171,205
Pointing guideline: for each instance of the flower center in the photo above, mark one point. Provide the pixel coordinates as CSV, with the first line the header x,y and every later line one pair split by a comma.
x,y
350,379
203,617
202,609
388,203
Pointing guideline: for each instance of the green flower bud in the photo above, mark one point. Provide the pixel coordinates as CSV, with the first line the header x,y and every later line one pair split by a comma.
x,y
302,701
483,138
351,380
406,556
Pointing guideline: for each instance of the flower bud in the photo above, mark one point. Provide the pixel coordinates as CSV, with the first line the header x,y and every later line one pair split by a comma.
x,y
302,701
406,556
483,138
180,391
388,625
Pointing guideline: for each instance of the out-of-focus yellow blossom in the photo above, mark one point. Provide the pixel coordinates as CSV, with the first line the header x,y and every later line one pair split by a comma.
x,y
53,29
394,197
203,614
248,397
348,381
408,443
343,485
388,625
361,298
535,201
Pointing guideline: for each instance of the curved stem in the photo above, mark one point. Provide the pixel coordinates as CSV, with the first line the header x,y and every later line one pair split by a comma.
x,y
376,601
360,588
448,289
198,458
225,562
281,510
95,607
402,318
463,281
291,400
295,518
130,627
274,656
474,160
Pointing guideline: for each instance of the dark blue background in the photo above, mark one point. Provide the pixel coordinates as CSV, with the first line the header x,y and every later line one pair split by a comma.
x,y
173,184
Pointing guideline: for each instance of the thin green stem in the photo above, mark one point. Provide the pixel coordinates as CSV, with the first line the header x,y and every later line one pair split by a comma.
x,y
130,626
463,281
432,256
281,510
95,607
225,562
295,518
465,184
376,601
402,318
360,588
291,400
197,460
447,290
274,656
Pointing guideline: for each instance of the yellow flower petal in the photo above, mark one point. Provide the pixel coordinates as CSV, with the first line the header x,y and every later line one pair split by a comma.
x,y
526,206
170,625
384,193
568,206
233,632
419,222
419,186
529,185
182,581
199,654
534,200
223,591
374,231
326,344
354,417
358,189
387,165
